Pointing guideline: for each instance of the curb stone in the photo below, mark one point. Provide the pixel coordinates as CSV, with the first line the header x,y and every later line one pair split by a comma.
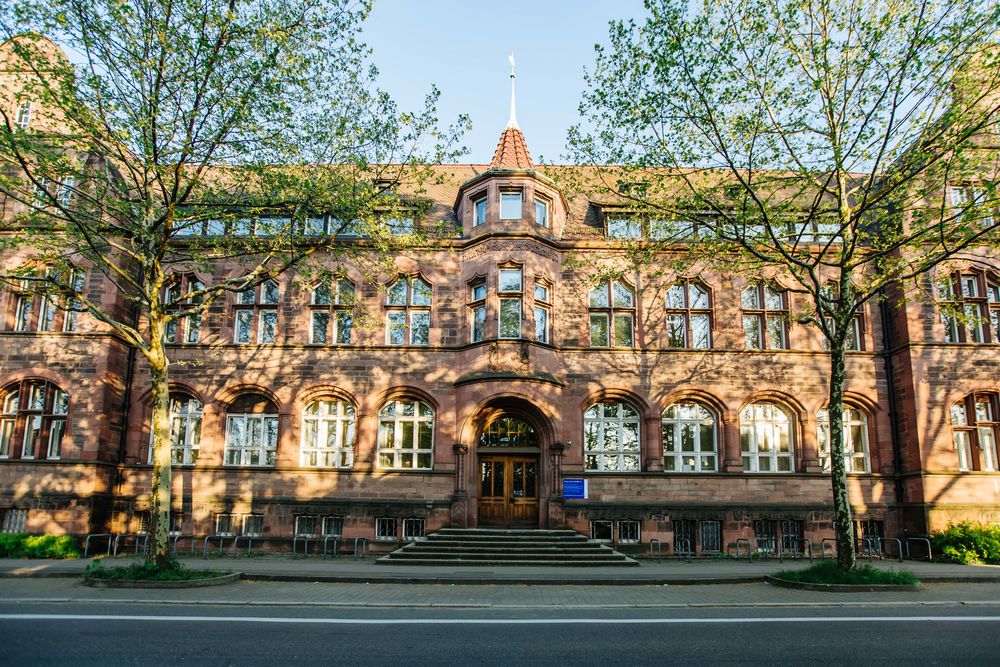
x,y
841,588
230,578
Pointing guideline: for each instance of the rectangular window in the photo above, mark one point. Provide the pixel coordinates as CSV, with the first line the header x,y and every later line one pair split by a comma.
x,y
510,205
413,529
599,330
510,318
510,280
763,530
602,531
541,324
253,525
541,293
623,330
251,440
478,324
710,533
344,322
396,332
306,525
23,115
386,529
420,327
32,429
480,212
244,325
541,213
333,525
225,524
479,292
624,228
320,326
6,436
268,326
791,536
66,190
628,532
15,520
57,428
47,314
22,313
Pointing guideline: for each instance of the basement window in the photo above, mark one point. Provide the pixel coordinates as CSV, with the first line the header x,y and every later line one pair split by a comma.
x,y
386,529
602,531
413,529
628,532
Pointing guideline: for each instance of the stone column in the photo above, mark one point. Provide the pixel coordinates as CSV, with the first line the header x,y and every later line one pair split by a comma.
x,y
732,459
653,449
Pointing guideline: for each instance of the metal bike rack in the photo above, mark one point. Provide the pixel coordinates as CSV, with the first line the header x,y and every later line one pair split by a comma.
x,y
363,541
659,550
144,541
899,547
679,543
179,537
822,547
305,544
326,541
222,541
930,555
768,551
807,547
869,544
236,543
86,542
744,540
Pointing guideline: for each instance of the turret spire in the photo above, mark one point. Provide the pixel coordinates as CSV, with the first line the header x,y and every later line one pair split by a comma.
x,y
512,120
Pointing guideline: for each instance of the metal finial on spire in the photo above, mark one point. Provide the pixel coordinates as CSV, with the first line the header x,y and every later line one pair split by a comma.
x,y
512,120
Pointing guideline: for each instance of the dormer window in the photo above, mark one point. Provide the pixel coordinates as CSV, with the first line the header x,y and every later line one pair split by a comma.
x,y
510,205
480,212
541,212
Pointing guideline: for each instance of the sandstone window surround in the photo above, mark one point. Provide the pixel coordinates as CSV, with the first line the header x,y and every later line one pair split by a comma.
x,y
329,428
405,435
185,430
408,312
30,311
690,438
511,203
33,414
856,449
765,317
689,315
766,439
477,310
256,314
23,120
331,304
611,437
251,432
186,329
510,287
970,307
543,310
975,427
612,315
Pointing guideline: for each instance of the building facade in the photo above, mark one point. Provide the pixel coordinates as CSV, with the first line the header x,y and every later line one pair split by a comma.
x,y
467,386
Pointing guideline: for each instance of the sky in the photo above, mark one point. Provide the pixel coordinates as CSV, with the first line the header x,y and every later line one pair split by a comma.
x,y
461,46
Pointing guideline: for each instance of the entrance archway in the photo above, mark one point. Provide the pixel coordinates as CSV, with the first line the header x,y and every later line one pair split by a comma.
x,y
508,473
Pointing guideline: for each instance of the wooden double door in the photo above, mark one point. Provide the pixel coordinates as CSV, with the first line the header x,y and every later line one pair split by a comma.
x,y
508,490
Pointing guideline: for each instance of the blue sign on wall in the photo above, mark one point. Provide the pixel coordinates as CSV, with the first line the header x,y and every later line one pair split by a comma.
x,y
574,488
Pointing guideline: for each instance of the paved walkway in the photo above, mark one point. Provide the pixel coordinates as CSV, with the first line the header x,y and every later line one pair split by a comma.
x,y
344,569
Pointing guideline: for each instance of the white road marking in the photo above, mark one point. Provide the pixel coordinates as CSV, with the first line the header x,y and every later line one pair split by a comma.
x,y
499,621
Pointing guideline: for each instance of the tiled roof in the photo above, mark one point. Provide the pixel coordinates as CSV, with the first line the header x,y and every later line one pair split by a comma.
x,y
512,151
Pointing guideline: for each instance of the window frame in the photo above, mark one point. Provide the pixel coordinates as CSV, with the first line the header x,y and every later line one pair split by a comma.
x,y
853,417
241,454
764,314
183,330
750,436
397,451
954,298
23,120
46,419
687,314
338,310
506,194
510,295
477,200
477,310
675,424
542,310
974,454
607,310
409,309
600,455
343,423
257,305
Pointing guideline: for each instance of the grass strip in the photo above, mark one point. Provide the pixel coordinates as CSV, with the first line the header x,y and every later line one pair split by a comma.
x,y
827,572
174,571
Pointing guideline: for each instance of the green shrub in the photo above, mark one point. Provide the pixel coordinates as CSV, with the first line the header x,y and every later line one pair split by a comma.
x,y
173,571
967,543
827,572
22,545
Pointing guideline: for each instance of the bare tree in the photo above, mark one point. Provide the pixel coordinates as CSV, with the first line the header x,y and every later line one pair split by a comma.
x,y
849,145
179,134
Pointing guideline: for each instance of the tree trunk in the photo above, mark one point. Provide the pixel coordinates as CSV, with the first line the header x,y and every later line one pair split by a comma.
x,y
846,558
161,481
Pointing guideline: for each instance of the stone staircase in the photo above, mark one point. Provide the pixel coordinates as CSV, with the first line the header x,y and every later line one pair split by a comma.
x,y
499,546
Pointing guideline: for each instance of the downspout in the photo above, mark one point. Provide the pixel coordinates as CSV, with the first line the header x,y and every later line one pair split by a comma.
x,y
895,437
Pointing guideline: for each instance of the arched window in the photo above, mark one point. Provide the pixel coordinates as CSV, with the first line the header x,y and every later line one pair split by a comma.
x,y
405,435
611,437
975,428
612,315
766,438
408,306
34,412
855,440
328,428
251,432
689,316
690,440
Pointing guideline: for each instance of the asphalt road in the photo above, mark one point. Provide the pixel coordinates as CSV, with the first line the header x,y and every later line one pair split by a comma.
x,y
121,634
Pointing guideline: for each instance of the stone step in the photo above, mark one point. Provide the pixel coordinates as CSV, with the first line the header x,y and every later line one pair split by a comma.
x,y
388,560
576,544
495,555
508,531
494,546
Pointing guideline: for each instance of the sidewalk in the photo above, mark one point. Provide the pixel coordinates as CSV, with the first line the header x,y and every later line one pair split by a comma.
x,y
344,569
